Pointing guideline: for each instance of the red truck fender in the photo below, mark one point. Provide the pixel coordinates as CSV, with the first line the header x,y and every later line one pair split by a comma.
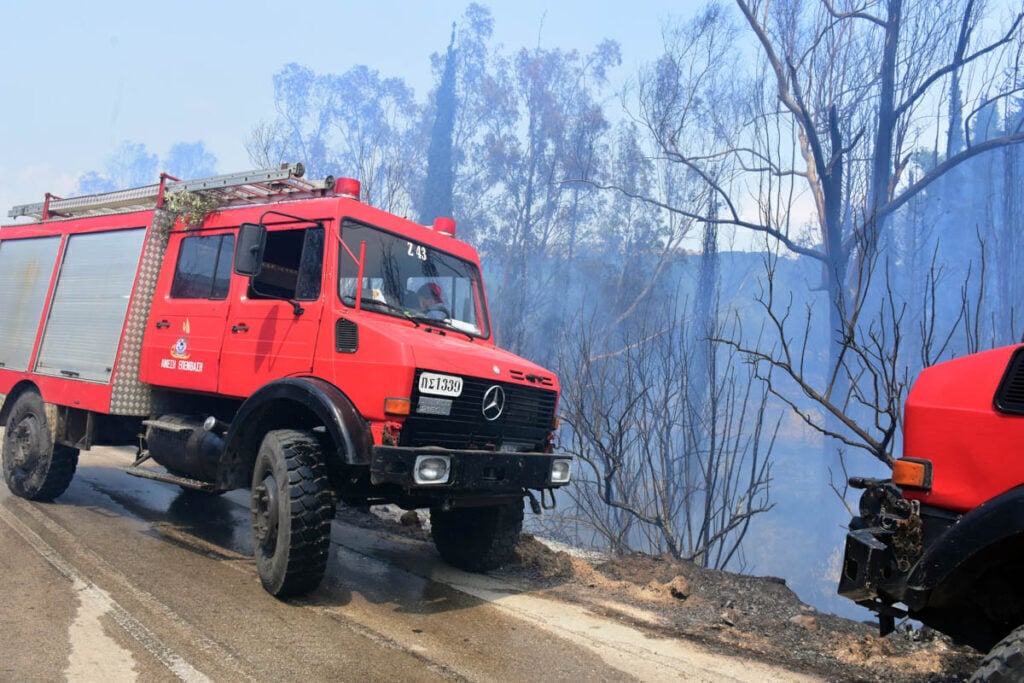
x,y
286,403
963,567
978,532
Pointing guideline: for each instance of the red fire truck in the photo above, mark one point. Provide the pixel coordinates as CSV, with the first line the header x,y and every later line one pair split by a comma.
x,y
292,340
944,537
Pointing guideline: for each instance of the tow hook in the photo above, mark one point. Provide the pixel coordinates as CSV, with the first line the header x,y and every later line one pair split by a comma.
x,y
538,506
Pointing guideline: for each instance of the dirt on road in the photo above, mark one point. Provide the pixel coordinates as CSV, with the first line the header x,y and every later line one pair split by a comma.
x,y
729,613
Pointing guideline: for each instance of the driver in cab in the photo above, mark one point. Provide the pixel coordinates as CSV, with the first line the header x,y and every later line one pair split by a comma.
x,y
431,301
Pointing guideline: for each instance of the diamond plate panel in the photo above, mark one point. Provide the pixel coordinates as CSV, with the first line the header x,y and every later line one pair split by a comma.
x,y
130,396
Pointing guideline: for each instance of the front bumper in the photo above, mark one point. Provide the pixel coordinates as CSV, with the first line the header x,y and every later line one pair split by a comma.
x,y
470,471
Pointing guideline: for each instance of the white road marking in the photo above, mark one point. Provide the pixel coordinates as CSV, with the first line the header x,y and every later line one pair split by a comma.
x,y
100,600
205,644
94,654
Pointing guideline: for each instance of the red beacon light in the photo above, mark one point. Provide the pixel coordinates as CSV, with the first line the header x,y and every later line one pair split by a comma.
x,y
347,187
445,226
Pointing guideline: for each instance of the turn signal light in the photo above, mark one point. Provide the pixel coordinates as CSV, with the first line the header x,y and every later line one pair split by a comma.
x,y
912,473
397,406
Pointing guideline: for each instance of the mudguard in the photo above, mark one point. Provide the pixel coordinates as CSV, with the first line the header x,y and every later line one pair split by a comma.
x,y
273,406
959,548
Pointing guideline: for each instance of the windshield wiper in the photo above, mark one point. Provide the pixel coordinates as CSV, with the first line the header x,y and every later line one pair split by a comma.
x,y
438,322
350,300
415,318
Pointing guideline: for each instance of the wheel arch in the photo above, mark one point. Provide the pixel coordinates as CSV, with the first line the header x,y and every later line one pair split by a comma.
x,y
958,585
12,397
294,403
986,527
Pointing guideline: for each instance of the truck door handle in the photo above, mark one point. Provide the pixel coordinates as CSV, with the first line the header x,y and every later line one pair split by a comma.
x,y
240,327
162,324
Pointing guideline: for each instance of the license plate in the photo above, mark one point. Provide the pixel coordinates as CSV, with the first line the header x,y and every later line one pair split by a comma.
x,y
440,385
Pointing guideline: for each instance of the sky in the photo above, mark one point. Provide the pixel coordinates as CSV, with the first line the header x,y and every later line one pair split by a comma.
x,y
80,78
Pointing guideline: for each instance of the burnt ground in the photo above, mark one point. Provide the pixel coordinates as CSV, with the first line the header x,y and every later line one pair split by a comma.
x,y
733,613
740,615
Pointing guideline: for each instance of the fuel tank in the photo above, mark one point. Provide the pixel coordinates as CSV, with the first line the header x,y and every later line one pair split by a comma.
x,y
182,445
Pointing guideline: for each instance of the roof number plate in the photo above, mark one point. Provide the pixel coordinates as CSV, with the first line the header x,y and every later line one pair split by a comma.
x,y
440,385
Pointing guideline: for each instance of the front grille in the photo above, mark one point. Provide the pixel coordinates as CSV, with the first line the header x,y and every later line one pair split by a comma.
x,y
526,420
1009,396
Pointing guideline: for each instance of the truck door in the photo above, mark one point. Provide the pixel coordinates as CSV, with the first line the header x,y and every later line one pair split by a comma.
x,y
266,336
184,334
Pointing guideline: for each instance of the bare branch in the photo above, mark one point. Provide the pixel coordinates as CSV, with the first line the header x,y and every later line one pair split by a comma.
x,y
959,61
946,166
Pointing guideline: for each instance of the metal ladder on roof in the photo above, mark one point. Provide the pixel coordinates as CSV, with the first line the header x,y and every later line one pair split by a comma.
x,y
249,187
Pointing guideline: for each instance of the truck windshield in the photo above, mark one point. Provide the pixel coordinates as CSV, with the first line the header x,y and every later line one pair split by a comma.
x,y
407,279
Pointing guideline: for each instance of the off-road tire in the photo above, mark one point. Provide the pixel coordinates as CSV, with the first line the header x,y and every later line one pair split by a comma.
x,y
1005,661
34,467
291,511
477,539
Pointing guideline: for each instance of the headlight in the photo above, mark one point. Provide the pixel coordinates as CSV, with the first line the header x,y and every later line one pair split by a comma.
x,y
561,470
431,469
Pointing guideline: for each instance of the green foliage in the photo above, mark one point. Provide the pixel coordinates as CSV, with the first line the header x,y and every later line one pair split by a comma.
x,y
192,207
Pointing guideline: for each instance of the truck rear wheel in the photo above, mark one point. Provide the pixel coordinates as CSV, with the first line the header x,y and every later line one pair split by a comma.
x,y
1005,662
477,539
292,508
34,467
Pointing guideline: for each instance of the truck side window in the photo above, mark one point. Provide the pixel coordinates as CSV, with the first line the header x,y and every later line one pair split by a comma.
x,y
292,266
204,267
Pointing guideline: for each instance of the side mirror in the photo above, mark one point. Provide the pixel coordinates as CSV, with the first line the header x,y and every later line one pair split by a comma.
x,y
252,240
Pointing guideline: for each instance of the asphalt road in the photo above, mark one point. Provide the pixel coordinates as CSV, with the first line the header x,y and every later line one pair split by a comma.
x,y
125,579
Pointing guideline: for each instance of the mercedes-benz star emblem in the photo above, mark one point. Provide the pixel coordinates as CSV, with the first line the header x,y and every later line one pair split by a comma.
x,y
494,403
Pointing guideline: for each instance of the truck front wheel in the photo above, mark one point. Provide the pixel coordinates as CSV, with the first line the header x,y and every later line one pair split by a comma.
x,y
477,539
34,467
1005,662
292,509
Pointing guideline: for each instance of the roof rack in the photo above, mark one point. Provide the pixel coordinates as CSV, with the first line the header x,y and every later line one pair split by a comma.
x,y
250,187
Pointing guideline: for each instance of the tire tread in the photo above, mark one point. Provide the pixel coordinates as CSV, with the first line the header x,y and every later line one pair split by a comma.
x,y
63,464
60,465
477,539
311,508
1004,662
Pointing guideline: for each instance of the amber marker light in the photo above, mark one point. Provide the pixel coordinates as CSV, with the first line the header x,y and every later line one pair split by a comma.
x,y
912,473
397,406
